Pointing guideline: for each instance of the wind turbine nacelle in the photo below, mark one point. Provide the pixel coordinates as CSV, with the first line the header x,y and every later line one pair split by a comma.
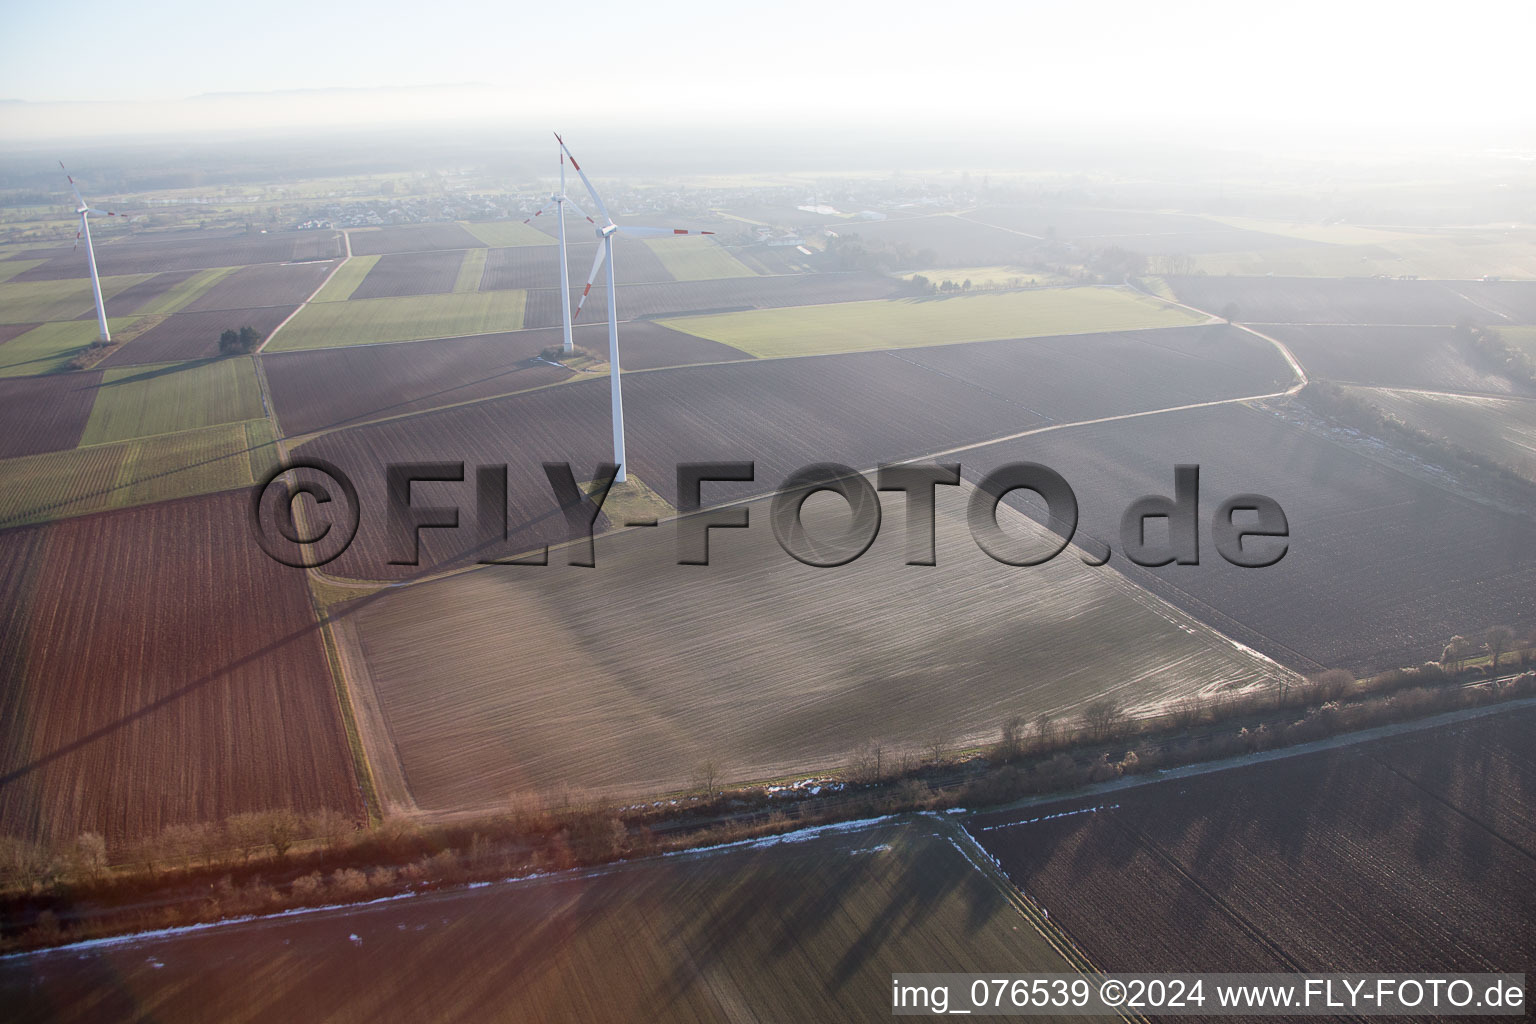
x,y
607,229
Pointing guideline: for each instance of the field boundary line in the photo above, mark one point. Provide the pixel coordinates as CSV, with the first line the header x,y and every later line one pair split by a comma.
x,y
362,770
1434,392
1052,932
346,257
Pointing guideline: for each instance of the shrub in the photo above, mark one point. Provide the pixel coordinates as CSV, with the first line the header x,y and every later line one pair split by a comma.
x,y
308,887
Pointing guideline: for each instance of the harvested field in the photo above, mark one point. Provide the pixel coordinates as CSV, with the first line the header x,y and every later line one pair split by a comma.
x,y
533,267
1136,230
10,268
697,259
48,348
858,409
1500,301
183,336
387,380
499,234
406,318
947,239
156,253
1448,256
411,238
806,929
346,279
1522,338
1063,379
761,664
141,401
130,299
174,299
64,299
1314,300
42,414
1405,357
95,478
863,326
737,293
162,703
9,331
1249,869
1502,431
415,273
781,259
1382,567
273,284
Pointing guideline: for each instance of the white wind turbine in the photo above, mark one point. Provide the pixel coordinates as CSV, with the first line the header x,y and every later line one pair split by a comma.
x,y
605,233
557,201
90,253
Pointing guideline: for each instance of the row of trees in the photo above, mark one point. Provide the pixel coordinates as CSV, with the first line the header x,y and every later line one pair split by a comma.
x,y
1496,641
28,866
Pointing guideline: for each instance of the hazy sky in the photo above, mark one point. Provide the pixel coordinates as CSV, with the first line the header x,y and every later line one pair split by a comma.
x,y
1326,63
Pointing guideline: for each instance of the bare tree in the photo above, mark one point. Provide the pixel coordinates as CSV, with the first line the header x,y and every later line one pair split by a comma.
x,y
706,777
91,855
1011,741
1103,717
1186,713
1499,640
210,840
1332,684
868,763
179,843
246,832
328,826
1045,730
1456,652
282,829
937,747
22,864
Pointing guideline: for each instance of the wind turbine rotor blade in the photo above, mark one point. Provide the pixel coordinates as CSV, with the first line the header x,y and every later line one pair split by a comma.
x,y
542,210
75,188
105,213
597,266
572,204
640,232
597,200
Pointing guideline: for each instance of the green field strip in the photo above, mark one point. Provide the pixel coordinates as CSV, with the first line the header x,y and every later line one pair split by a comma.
x,y
78,481
25,302
141,401
400,318
697,259
49,347
10,268
470,271
187,291
341,284
502,233
261,447
908,323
